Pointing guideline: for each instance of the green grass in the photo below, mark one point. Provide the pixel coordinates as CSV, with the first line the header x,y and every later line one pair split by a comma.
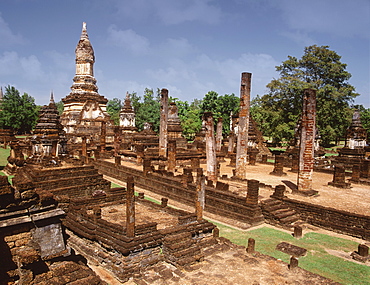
x,y
4,153
317,259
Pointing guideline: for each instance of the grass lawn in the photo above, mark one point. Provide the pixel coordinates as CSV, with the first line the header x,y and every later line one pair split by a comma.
x,y
317,259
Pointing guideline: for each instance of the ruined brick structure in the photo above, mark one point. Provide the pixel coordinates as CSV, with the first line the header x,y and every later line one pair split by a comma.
x,y
48,137
85,112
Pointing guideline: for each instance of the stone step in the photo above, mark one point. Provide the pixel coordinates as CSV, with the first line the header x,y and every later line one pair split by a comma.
x,y
285,214
271,202
290,219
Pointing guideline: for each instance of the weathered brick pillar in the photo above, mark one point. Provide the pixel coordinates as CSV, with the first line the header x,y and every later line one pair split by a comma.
x,y
251,245
96,154
139,153
147,166
307,141
293,262
84,147
200,196
210,147
117,139
117,160
171,159
298,232
164,202
130,207
365,169
253,156
252,192
219,135
195,162
355,173
232,160
242,141
103,136
163,133
339,178
295,163
188,172
278,166
363,250
264,158
279,191
232,136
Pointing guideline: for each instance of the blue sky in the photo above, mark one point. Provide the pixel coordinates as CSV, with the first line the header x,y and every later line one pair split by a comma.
x,y
189,47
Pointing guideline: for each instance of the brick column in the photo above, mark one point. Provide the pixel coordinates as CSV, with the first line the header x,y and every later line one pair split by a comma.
x,y
117,160
307,141
278,166
252,192
163,133
200,196
103,136
147,166
130,207
339,178
242,141
195,162
210,147
84,147
139,153
188,172
171,159
365,169
253,156
279,191
355,173
219,135
295,163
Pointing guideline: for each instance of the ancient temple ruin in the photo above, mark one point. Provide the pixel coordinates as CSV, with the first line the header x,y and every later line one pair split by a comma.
x,y
85,112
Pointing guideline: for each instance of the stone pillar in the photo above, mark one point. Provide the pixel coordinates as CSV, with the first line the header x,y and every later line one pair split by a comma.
x,y
200,196
219,135
164,202
365,169
117,160
84,147
242,141
278,166
195,162
253,156
295,163
251,245
103,136
363,250
293,262
307,141
210,147
163,133
188,172
252,192
139,153
279,191
264,158
97,154
339,178
171,159
130,207
147,166
355,173
117,140
297,232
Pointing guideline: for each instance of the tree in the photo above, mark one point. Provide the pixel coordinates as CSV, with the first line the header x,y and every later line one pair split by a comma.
x,y
221,107
319,68
18,112
113,109
60,107
190,117
148,110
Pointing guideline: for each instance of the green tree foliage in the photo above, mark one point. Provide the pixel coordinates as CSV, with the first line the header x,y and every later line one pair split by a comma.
x,y
365,118
320,68
18,112
190,117
221,107
113,109
60,107
148,110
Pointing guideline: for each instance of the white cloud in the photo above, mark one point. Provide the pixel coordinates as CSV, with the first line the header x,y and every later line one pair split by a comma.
x,y
170,12
337,17
129,40
8,38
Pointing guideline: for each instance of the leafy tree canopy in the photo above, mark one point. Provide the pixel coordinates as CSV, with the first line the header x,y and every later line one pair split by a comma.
x,y
319,68
113,109
18,112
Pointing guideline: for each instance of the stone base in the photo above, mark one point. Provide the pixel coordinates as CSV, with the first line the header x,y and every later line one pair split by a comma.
x,y
306,193
360,258
278,173
340,185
